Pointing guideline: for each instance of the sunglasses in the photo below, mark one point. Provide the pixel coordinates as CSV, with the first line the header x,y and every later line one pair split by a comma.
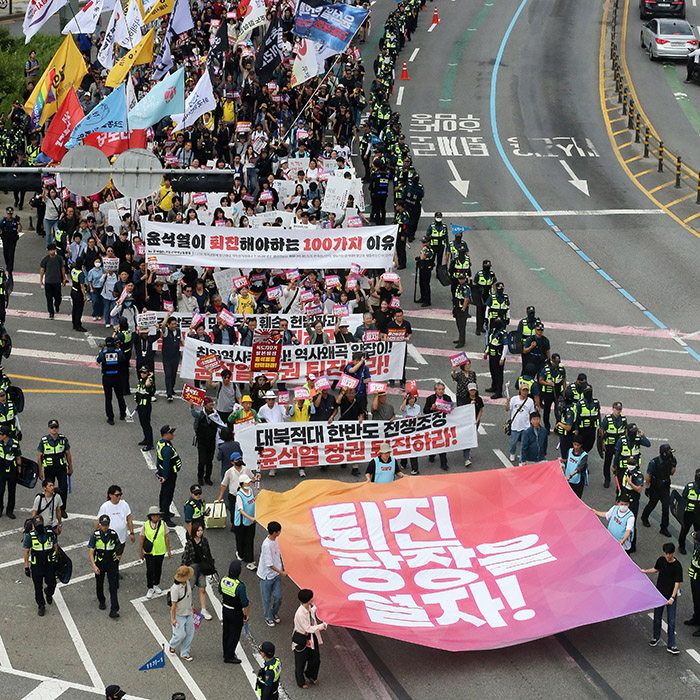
x,y
117,494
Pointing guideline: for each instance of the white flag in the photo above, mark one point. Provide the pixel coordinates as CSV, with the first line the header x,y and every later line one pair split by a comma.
x,y
310,60
38,12
200,101
115,34
255,16
130,94
134,25
181,18
85,22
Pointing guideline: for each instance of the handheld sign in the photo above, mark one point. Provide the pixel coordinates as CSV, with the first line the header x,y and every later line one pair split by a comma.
x,y
459,359
395,303
227,317
266,357
274,293
442,405
341,310
370,337
209,362
412,387
240,282
390,277
301,393
283,398
322,383
396,335
147,319
376,387
348,382
191,393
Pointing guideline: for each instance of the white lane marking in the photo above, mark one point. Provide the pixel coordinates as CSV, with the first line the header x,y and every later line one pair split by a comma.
x,y
49,355
150,461
432,26
694,655
413,352
78,642
592,345
92,341
48,690
72,337
21,330
693,393
630,388
15,562
4,658
428,330
621,354
549,213
22,294
504,460
482,430
413,55
177,663
674,352
399,97
14,531
658,439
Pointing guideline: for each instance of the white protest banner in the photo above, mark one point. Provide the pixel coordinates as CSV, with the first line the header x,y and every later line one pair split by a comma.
x,y
320,443
111,264
285,189
269,217
148,319
383,360
209,246
337,191
297,164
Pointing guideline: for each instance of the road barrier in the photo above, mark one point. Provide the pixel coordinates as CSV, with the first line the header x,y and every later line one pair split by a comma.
x,y
685,175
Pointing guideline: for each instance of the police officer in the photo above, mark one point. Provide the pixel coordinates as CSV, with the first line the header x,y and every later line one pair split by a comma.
x,y
498,304
379,191
10,228
55,461
565,425
587,419
366,149
143,397
77,297
536,349
526,329
631,487
168,464
694,575
578,386
628,445
102,548
8,413
412,195
483,282
381,469
41,550
460,305
611,429
110,359
401,220
437,235
552,379
10,469
125,342
496,350
194,507
234,601
267,684
114,692
658,486
691,514
459,262
4,292
425,262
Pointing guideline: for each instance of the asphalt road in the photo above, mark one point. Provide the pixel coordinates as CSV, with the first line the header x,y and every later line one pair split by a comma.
x,y
529,96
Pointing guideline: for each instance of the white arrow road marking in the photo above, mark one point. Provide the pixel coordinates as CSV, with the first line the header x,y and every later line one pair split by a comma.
x,y
581,185
462,186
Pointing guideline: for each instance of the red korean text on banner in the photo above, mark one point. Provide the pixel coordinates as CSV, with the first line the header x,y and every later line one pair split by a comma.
x,y
396,335
193,395
370,337
210,362
111,143
266,357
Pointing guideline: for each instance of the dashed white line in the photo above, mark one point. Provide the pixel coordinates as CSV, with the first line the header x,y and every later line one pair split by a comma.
x,y
694,655
590,345
22,330
428,330
693,393
621,354
630,388
413,352
4,658
504,460
399,96
48,690
413,55
432,26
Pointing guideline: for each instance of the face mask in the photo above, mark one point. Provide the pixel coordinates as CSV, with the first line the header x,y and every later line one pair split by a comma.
x,y
39,528
487,268
623,509
127,303
98,264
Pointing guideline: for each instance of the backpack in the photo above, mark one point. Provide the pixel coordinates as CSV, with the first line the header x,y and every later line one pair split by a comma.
x,y
169,598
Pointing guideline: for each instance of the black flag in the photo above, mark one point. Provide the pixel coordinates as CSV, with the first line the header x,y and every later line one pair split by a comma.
x,y
219,44
270,52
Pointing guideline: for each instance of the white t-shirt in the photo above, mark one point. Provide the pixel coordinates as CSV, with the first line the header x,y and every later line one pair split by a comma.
x,y
231,478
271,415
629,525
269,555
522,420
118,514
184,604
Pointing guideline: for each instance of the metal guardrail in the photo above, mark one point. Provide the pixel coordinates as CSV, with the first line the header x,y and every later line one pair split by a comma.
x,y
653,147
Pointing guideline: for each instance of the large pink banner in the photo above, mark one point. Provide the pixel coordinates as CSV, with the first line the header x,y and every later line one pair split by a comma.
x,y
458,561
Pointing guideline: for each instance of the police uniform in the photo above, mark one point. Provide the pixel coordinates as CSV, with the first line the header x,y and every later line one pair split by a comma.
x,y
379,191
437,236
267,684
624,491
425,263
627,446
10,467
461,294
234,602
568,417
548,394
660,470
496,350
8,416
77,296
104,546
194,509
143,397
3,294
587,420
205,430
401,220
41,543
613,429
110,359
125,342
498,307
412,195
168,464
691,514
53,457
694,576
483,282
9,233
459,264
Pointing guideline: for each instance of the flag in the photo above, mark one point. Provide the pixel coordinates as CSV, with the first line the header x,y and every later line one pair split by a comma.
x,y
181,18
69,70
336,25
47,94
457,229
38,12
114,142
310,61
255,16
162,7
108,115
61,127
85,22
114,34
140,54
158,661
306,14
134,25
200,101
269,54
130,94
219,43
164,61
164,99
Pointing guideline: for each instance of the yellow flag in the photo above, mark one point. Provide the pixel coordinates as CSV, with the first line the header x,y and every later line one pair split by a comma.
x,y
162,7
70,69
141,53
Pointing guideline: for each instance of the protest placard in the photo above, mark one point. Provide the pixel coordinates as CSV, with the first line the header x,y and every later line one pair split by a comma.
x,y
192,394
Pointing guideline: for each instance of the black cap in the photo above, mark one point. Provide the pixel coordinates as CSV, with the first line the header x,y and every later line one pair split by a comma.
x,y
530,310
53,423
114,692
461,274
104,520
663,449
5,430
582,377
196,489
167,429
110,340
617,404
486,263
267,648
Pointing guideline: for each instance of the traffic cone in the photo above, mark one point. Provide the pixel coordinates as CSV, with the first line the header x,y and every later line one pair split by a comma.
x,y
404,72
436,19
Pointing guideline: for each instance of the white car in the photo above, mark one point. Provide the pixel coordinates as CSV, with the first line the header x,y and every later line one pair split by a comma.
x,y
668,38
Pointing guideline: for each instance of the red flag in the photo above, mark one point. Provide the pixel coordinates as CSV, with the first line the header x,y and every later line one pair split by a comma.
x,y
69,114
113,142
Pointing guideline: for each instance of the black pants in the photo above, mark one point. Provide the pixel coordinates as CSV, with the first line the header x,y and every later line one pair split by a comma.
x,y
232,508
43,575
695,590
496,370
690,64
167,491
378,213
78,302
124,373
546,403
607,461
461,321
565,442
11,481
578,488
401,249
634,507
205,459
480,318
154,568
8,251
588,437
52,290
443,459
144,414
412,460
656,495
306,664
19,198
424,274
233,624
113,383
60,474
245,542
170,365
111,571
688,522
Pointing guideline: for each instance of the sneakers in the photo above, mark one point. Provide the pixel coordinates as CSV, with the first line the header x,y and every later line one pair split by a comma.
x,y
149,593
251,566
653,642
646,523
673,650
414,472
277,620
187,658
272,472
269,623
170,399
171,650
512,458
467,463
205,614
302,473
157,590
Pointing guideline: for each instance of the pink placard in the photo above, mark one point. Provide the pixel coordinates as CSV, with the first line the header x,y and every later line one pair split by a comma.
x,y
370,337
347,382
459,359
442,406
395,303
301,393
227,317
376,387
240,282
332,281
322,383
341,310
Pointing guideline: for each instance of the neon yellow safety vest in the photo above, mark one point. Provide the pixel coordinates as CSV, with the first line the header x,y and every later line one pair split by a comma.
x,y
612,434
693,499
157,537
44,550
228,591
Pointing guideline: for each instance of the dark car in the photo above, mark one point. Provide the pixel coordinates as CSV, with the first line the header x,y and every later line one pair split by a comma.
x,y
661,8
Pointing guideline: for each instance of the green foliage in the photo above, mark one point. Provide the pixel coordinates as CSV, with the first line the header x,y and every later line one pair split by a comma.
x,y
13,55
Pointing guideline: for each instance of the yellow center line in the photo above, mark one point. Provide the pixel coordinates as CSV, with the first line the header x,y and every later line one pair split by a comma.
x,y
681,199
53,381
660,187
624,145
694,216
